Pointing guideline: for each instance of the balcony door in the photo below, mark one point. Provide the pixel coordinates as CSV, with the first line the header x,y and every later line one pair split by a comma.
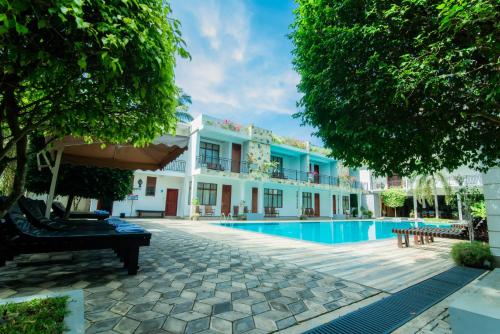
x,y
236,158
226,199
316,205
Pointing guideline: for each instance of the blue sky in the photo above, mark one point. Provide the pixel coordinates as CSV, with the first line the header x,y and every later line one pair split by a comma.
x,y
241,62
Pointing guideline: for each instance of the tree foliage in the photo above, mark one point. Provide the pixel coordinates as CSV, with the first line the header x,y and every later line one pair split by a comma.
x,y
401,86
393,197
102,69
426,188
182,109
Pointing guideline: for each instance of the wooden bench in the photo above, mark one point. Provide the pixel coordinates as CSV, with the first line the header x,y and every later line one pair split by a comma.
x,y
142,213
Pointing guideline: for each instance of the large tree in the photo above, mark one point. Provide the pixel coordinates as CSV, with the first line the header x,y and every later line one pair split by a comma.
x,y
102,69
401,86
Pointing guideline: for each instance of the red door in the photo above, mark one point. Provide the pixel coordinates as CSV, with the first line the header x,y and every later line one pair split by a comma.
x,y
255,200
236,158
316,205
334,204
226,199
171,204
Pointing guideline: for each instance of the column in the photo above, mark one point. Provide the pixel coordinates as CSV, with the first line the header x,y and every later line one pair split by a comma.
x,y
459,206
491,186
340,207
261,198
299,201
242,198
359,205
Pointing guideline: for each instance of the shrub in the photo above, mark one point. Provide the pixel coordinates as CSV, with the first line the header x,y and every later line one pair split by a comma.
x,y
476,254
478,209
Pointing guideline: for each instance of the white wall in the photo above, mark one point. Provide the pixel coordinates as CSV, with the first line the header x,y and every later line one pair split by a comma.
x,y
491,181
156,202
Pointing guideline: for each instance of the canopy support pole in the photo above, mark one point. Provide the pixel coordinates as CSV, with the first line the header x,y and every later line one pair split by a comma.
x,y
55,171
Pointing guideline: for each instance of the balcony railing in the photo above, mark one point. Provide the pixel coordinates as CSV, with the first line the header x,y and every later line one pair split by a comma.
x,y
176,166
222,164
297,175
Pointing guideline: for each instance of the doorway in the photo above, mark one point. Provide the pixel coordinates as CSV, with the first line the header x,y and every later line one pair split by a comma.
x,y
255,200
316,205
236,158
226,199
171,202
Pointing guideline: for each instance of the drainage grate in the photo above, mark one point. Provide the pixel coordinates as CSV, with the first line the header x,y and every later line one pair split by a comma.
x,y
389,313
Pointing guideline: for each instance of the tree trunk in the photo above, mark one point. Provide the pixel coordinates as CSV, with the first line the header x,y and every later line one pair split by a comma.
x,y
10,113
68,206
395,212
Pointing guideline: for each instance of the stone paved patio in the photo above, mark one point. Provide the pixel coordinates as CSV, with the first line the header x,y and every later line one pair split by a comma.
x,y
186,284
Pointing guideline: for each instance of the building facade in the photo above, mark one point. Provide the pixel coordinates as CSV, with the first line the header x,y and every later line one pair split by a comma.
x,y
459,178
230,169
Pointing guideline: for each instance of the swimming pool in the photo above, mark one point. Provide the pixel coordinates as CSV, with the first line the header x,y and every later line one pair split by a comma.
x,y
335,232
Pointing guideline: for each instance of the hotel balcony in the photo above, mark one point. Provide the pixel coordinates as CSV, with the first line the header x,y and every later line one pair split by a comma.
x,y
243,167
225,165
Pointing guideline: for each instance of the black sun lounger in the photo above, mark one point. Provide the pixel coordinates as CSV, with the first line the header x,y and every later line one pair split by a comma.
x,y
60,211
28,239
33,209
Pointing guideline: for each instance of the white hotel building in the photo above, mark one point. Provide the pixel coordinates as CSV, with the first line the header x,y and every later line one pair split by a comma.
x,y
234,168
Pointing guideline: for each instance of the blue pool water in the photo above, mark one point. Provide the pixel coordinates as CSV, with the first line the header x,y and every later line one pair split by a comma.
x,y
335,232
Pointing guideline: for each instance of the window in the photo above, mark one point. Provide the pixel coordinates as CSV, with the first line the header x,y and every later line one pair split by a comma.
x,y
209,152
150,186
207,193
273,198
189,192
307,201
346,204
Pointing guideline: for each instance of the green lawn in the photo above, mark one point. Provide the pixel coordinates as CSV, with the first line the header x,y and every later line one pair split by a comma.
x,y
440,220
37,316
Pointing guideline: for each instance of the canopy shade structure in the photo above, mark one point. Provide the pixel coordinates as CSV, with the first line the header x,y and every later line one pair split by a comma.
x,y
122,156
76,151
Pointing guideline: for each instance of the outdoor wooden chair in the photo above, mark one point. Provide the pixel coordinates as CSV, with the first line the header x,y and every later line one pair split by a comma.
x,y
423,235
209,211
270,212
275,212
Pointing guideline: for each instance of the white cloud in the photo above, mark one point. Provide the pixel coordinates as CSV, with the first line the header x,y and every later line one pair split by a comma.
x,y
233,71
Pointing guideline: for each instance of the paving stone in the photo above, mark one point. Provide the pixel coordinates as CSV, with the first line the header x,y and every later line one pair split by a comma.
x,y
174,325
126,325
147,315
98,316
274,320
141,308
222,289
151,325
197,325
101,326
163,308
121,308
